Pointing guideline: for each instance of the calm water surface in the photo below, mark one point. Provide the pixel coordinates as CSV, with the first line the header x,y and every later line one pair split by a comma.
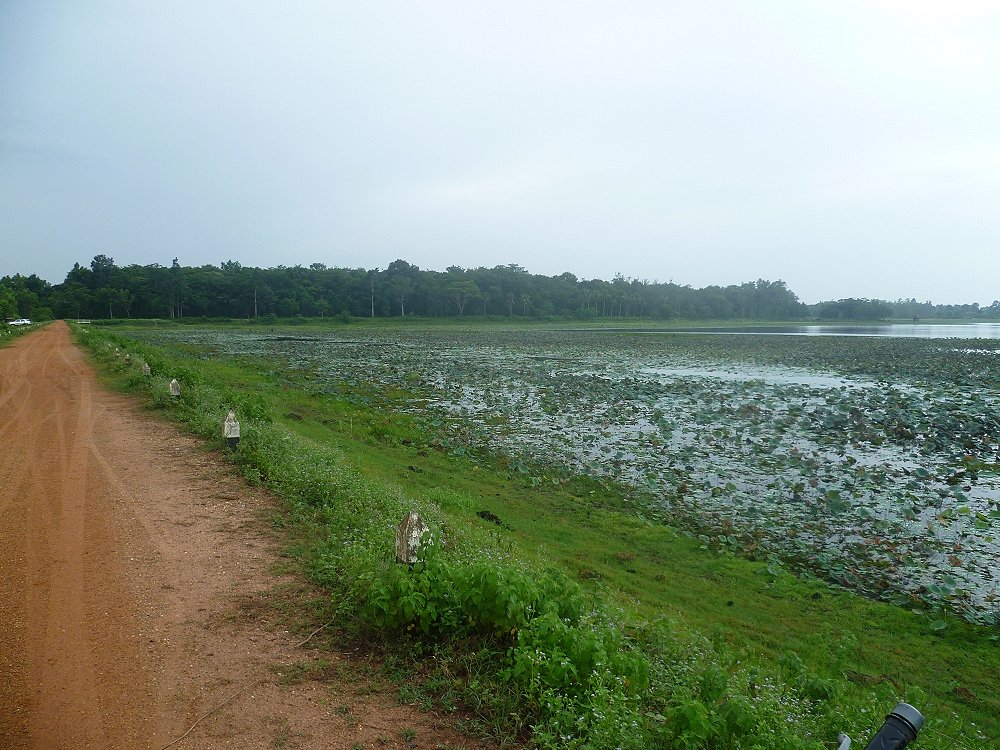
x,y
899,330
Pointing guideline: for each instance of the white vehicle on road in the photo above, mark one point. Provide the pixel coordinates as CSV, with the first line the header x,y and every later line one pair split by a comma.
x,y
20,322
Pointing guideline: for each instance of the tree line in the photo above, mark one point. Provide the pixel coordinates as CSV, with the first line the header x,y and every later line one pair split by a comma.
x,y
231,290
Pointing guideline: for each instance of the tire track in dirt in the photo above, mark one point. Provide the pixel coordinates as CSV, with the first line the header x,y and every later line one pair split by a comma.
x,y
67,689
134,574
57,596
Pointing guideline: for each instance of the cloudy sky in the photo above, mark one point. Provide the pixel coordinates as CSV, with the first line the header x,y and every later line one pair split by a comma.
x,y
849,147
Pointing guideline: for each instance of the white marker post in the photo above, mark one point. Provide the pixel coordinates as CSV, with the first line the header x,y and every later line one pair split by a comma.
x,y
175,388
409,534
145,368
231,430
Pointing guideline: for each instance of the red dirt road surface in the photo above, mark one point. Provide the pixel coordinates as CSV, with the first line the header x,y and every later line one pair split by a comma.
x,y
133,571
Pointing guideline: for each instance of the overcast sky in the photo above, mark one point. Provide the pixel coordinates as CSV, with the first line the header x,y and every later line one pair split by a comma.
x,y
849,147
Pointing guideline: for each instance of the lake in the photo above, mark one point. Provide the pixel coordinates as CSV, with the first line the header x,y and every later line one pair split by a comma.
x,y
896,330
869,459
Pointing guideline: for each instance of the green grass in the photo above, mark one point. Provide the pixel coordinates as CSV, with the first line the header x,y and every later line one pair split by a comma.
x,y
743,602
9,334
700,618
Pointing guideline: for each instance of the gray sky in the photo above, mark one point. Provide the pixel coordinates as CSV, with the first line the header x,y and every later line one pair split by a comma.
x,y
849,147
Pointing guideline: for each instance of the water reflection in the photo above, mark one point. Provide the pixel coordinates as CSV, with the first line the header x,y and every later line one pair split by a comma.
x,y
909,330
896,330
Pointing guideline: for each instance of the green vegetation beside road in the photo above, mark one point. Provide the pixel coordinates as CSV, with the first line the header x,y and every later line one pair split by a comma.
x,y
10,333
557,611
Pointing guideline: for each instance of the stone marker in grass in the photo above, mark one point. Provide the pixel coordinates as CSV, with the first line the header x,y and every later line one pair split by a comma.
x,y
231,430
409,534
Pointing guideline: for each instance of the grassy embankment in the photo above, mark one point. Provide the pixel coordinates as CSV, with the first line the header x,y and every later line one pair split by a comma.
x,y
639,637
10,333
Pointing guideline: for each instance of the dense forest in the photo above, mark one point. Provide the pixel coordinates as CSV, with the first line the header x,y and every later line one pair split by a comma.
x,y
230,290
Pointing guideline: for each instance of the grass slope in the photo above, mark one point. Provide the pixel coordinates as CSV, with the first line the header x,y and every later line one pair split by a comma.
x,y
708,650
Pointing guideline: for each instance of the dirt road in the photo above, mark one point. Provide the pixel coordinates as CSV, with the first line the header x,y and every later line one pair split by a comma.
x,y
133,571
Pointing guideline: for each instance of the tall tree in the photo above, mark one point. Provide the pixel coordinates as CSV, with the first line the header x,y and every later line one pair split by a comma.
x,y
461,288
102,267
176,290
8,302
